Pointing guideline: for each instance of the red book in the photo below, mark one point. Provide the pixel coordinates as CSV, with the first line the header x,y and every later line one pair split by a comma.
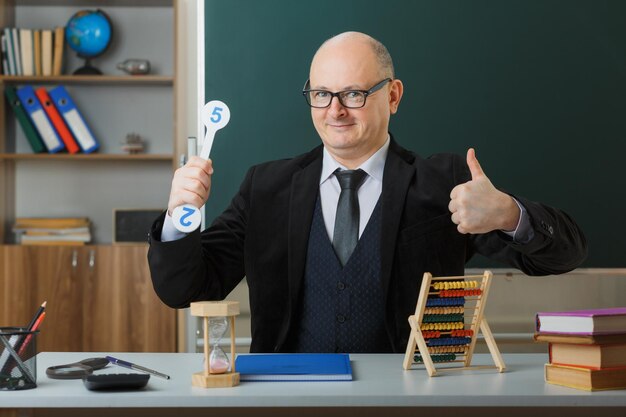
x,y
56,119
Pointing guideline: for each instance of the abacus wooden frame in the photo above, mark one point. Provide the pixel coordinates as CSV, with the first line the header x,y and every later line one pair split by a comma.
x,y
417,341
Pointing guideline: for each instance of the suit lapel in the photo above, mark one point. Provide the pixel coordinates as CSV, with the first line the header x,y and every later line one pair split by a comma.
x,y
397,176
304,191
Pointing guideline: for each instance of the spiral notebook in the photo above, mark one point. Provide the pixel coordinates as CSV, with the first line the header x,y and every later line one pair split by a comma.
x,y
294,367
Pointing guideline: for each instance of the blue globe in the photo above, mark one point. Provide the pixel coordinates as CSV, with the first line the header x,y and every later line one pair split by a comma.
x,y
88,32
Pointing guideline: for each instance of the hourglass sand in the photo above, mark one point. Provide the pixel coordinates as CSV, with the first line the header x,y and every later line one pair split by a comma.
x,y
219,371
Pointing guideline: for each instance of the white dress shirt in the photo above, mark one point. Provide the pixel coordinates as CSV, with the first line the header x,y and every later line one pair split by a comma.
x,y
368,193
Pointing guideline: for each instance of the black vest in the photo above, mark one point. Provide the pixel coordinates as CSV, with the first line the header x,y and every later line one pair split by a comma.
x,y
342,308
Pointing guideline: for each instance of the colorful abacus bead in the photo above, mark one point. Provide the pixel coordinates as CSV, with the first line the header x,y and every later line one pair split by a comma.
x,y
445,357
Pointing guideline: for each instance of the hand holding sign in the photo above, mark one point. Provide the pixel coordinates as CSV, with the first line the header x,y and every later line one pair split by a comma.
x,y
193,180
479,207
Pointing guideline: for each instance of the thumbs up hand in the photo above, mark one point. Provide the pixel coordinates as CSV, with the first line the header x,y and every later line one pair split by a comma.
x,y
478,207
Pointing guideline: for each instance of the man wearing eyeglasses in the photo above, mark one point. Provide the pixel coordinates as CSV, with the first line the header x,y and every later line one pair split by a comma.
x,y
334,242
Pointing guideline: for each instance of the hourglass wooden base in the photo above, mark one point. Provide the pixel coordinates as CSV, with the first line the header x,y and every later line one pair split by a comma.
x,y
200,379
206,309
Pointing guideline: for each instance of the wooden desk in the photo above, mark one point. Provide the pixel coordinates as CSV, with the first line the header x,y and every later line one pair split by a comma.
x,y
380,387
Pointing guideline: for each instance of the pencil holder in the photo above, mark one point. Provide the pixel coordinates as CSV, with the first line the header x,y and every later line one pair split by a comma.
x,y
18,358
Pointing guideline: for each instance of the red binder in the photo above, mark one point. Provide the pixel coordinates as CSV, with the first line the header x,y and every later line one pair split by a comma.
x,y
57,120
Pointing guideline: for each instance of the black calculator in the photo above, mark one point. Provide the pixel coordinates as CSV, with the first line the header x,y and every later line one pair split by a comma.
x,y
115,381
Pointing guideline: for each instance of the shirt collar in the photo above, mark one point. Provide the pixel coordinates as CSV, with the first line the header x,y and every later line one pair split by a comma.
x,y
374,166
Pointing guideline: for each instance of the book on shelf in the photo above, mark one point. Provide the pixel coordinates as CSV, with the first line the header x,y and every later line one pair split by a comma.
x,y
588,356
5,59
57,120
294,367
42,231
15,38
8,39
26,48
585,378
59,42
54,243
46,52
37,51
50,222
27,239
583,322
35,141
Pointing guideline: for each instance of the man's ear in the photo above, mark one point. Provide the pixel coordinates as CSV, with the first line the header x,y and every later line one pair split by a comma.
x,y
395,95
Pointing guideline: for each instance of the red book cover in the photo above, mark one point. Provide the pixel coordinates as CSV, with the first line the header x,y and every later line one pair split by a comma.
x,y
56,119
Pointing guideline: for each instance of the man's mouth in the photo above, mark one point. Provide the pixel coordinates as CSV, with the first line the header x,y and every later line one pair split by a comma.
x,y
340,125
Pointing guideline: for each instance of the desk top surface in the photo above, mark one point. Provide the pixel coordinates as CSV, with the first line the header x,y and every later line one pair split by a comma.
x,y
379,380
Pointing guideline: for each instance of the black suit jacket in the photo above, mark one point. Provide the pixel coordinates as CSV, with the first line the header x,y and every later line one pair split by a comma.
x,y
263,235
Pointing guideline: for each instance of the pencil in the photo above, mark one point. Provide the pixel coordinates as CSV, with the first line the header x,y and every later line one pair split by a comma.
x,y
37,314
22,348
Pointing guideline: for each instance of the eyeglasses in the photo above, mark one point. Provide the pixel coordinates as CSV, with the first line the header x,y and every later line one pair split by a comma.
x,y
351,99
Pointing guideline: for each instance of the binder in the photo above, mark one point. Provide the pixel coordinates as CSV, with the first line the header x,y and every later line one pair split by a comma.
x,y
57,121
73,118
29,130
38,117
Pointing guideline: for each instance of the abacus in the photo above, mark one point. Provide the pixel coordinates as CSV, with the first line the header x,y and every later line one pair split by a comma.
x,y
448,315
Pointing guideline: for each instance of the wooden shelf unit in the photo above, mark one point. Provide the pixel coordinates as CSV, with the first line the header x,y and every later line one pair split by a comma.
x,y
100,296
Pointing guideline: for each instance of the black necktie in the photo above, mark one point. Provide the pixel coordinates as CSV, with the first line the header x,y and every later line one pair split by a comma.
x,y
346,234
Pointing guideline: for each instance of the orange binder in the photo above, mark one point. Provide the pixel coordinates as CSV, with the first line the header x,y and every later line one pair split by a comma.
x,y
57,120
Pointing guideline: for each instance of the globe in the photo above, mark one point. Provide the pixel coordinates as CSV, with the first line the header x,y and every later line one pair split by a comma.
x,y
89,34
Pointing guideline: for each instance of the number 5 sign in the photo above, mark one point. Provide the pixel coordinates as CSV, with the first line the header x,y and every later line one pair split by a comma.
x,y
215,115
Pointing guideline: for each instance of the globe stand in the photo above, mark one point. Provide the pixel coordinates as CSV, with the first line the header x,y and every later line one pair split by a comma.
x,y
87,69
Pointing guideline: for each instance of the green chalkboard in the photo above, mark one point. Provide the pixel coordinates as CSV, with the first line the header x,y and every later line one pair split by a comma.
x,y
537,87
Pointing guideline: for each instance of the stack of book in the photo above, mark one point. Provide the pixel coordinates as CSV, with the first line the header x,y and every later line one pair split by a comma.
x,y
50,120
32,51
587,348
52,231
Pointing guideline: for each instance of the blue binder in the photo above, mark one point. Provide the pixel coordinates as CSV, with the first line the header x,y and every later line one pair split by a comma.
x,y
75,121
40,120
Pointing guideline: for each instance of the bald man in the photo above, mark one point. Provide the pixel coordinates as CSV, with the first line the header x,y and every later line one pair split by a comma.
x,y
334,242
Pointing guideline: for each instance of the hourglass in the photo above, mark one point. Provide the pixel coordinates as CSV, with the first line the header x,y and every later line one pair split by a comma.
x,y
218,317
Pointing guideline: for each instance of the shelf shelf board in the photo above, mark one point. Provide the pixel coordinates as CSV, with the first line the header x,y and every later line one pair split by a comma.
x,y
90,79
86,157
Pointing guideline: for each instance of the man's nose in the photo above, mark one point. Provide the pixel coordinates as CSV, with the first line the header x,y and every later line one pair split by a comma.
x,y
336,109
